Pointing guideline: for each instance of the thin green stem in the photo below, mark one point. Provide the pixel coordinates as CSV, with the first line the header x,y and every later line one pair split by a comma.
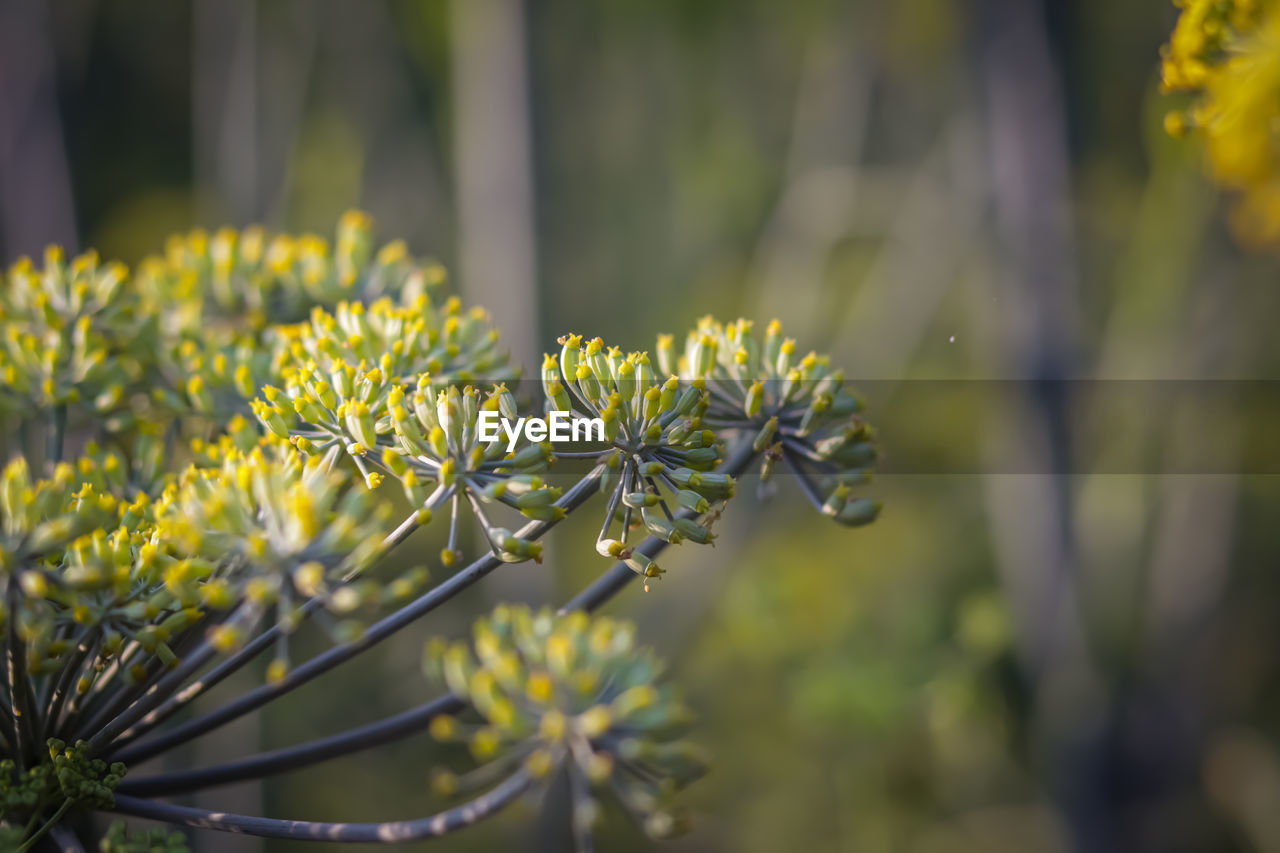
x,y
48,825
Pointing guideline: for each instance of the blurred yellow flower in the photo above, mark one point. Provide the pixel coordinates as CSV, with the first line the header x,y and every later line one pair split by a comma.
x,y
1227,53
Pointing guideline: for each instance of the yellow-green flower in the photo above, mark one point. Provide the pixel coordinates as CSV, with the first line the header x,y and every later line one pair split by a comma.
x,y
568,692
794,409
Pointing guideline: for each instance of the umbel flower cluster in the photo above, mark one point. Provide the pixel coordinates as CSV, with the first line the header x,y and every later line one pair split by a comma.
x,y
1226,53
219,450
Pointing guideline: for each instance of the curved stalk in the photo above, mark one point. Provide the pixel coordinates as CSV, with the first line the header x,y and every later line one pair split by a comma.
x,y
443,823
360,738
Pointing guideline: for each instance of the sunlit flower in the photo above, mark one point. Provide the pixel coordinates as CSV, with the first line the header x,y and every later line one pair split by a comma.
x,y
253,278
71,333
794,409
568,693
661,458
273,528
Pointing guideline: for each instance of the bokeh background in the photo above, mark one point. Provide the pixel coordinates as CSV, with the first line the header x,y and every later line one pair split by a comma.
x,y
1060,636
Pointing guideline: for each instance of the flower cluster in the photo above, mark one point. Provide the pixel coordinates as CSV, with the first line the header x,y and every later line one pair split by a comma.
x,y
195,331
71,334
661,456
272,528
382,385
1227,54
119,840
568,693
130,577
438,447
342,373
791,407
69,778
234,310
252,279
38,518
230,415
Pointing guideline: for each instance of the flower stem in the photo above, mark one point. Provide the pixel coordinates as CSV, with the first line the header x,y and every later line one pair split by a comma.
x,y
458,817
57,434
48,825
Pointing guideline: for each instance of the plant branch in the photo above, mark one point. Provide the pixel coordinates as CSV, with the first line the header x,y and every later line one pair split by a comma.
x,y
19,684
289,758
456,818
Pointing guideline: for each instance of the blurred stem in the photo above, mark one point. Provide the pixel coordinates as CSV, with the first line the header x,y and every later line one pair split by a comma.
x,y
364,737
37,206
582,840
108,724
65,839
24,438
458,817
19,685
57,435
806,485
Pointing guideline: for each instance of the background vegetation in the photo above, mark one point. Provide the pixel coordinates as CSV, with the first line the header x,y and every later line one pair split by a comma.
x,y
1061,633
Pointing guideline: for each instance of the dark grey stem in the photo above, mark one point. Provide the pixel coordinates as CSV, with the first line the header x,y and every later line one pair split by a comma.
x,y
391,832
183,697
806,485
293,757
66,678
57,434
19,685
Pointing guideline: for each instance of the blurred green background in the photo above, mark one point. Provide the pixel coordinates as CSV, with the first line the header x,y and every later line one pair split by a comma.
x,y
1049,652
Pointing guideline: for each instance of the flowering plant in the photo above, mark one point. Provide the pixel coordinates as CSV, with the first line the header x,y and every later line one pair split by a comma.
x,y
226,444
